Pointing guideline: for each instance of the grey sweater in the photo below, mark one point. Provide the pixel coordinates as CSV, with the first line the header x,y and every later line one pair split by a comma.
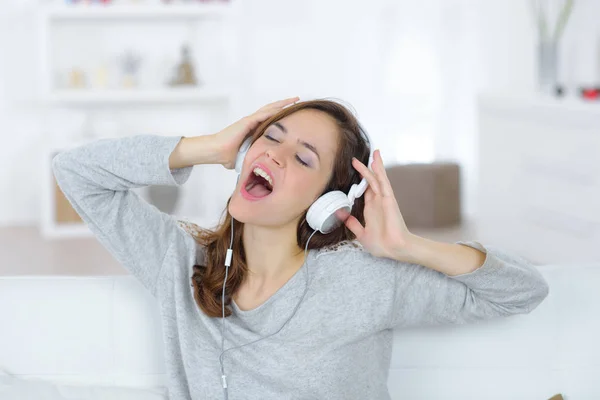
x,y
339,343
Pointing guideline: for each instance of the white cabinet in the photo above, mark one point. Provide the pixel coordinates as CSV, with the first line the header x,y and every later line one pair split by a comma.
x,y
539,177
88,37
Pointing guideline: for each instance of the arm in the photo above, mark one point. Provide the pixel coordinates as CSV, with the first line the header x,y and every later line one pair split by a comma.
x,y
96,179
504,284
449,258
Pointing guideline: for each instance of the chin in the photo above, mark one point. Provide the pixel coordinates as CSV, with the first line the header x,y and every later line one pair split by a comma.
x,y
248,213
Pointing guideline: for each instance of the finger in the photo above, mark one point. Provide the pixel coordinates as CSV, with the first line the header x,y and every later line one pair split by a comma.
x,y
369,195
281,103
295,100
270,110
355,227
367,174
262,115
342,214
382,178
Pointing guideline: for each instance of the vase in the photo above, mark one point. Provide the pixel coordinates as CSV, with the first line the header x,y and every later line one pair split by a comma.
x,y
547,67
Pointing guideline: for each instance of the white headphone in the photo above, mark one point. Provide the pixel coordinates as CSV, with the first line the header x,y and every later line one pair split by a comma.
x,y
321,214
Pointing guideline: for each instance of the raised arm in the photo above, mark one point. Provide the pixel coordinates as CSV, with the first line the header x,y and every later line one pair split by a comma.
x,y
505,284
97,177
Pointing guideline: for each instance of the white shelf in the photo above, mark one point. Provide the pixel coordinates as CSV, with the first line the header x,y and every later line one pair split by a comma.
x,y
97,11
145,96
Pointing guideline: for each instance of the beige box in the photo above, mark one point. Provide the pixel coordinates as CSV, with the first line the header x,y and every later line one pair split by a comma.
x,y
428,194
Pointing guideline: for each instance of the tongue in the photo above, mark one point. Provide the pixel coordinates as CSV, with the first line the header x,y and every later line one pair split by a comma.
x,y
259,190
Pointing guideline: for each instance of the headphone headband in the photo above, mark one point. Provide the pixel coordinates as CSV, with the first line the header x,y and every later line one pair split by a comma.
x,y
358,190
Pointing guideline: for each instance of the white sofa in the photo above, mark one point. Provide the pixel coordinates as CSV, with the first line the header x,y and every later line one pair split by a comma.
x,y
106,331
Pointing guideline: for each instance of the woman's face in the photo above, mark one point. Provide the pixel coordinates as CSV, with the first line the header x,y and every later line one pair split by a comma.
x,y
298,152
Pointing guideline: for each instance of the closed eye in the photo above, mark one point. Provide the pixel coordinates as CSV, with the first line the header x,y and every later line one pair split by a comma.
x,y
297,158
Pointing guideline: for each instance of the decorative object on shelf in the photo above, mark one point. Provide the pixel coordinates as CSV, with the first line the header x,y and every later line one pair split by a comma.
x,y
548,40
184,72
559,90
590,93
165,198
100,77
130,65
76,78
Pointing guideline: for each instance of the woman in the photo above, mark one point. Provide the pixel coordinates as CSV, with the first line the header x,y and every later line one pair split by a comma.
x,y
367,277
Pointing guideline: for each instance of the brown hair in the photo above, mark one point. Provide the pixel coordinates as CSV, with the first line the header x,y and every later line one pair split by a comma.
x,y
207,280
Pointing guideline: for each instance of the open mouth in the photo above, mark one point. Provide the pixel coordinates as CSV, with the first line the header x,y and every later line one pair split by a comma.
x,y
257,186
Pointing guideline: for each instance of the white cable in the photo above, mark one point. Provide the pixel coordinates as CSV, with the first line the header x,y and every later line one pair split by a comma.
x,y
223,376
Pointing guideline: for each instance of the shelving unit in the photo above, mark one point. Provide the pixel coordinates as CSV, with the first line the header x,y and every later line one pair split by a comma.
x,y
209,93
55,14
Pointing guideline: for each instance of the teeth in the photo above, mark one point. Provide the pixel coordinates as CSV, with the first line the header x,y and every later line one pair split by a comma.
x,y
258,171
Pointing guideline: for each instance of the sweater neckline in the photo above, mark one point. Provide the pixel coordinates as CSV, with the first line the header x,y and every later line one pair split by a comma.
x,y
300,273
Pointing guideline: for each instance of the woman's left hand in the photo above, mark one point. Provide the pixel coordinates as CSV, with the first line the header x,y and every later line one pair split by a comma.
x,y
385,234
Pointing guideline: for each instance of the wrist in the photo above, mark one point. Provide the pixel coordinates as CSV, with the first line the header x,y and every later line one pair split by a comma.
x,y
449,258
413,249
195,150
203,149
214,150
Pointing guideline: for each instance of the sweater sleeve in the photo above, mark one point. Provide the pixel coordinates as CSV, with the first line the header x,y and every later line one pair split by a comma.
x,y
504,285
97,177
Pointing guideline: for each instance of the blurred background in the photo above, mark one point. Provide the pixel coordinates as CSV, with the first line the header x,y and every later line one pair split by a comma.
x,y
486,112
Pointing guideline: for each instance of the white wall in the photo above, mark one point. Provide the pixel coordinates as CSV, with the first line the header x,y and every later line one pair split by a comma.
x,y
411,71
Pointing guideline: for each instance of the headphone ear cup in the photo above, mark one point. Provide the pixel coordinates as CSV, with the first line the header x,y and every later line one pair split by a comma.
x,y
321,214
241,155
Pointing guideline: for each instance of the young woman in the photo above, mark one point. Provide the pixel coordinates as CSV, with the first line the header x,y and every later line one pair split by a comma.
x,y
305,319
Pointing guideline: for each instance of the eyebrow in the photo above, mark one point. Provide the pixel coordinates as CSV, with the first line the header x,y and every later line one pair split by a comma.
x,y
302,142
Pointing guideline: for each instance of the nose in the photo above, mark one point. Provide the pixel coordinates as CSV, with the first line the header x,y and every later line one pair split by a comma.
x,y
273,155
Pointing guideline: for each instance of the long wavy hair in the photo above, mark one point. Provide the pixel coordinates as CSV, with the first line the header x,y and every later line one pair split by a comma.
x,y
207,279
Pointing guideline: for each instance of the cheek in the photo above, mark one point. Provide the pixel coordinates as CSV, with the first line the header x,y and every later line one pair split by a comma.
x,y
302,187
252,154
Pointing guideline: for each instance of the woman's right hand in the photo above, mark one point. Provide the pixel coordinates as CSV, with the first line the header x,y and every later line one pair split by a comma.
x,y
230,139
